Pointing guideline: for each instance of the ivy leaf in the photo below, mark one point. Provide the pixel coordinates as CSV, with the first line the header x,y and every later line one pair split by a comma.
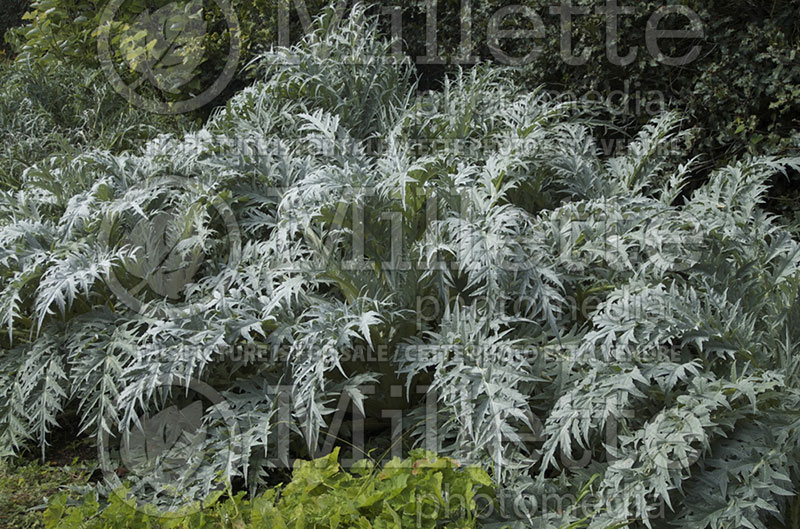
x,y
166,47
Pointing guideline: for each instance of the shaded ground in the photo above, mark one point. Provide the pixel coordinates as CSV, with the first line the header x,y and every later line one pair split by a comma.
x,y
27,481
24,485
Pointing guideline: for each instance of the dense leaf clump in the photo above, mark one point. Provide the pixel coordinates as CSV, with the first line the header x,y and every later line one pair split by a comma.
x,y
741,90
67,32
540,310
10,16
58,110
422,491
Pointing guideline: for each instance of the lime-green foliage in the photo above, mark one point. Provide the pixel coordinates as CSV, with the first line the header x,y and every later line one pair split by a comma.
x,y
60,110
25,485
56,29
64,29
423,491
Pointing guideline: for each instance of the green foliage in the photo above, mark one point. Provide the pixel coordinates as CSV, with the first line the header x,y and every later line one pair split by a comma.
x,y
578,294
11,12
67,31
56,29
59,110
24,487
741,91
422,491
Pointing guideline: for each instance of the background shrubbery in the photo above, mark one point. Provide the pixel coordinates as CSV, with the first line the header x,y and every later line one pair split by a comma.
x,y
11,12
66,31
742,92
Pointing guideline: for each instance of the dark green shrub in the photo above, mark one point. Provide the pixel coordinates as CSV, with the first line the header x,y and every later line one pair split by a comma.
x,y
11,12
67,31
742,92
